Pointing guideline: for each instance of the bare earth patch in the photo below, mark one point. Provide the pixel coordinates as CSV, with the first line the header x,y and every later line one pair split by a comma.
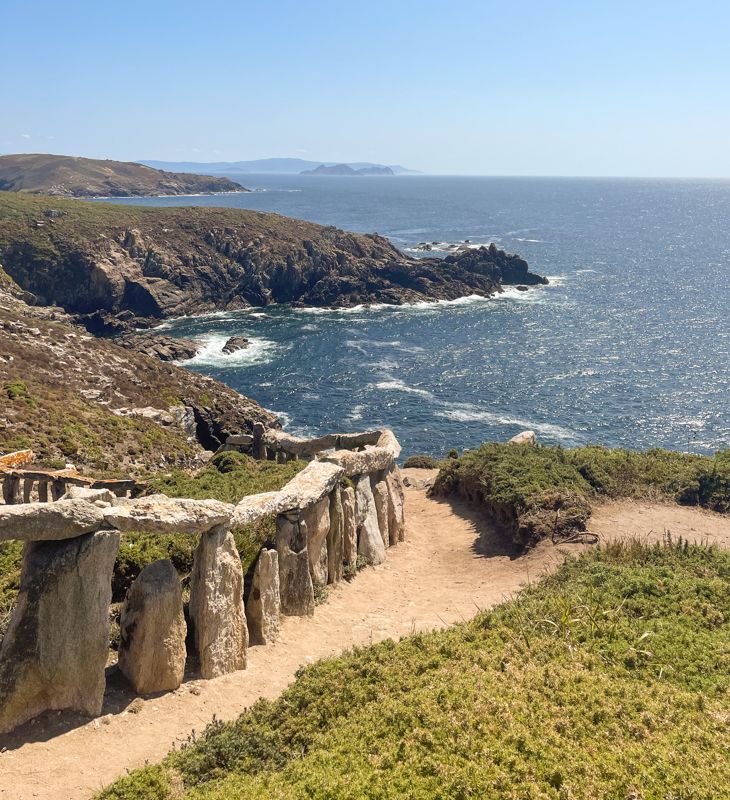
x,y
451,565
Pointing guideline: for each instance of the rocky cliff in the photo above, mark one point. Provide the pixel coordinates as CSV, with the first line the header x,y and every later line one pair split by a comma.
x,y
72,397
107,260
67,176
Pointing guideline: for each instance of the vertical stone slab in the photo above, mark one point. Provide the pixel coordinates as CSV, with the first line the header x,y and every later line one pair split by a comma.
x,y
11,490
380,495
54,652
263,608
58,489
152,649
27,489
42,491
216,604
317,519
396,506
295,579
349,529
335,538
258,448
369,541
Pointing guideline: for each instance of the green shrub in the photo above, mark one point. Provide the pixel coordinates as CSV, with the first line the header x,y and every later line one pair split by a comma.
x,y
609,679
536,491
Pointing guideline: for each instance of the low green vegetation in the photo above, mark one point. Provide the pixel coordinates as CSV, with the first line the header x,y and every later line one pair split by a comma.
x,y
609,679
539,491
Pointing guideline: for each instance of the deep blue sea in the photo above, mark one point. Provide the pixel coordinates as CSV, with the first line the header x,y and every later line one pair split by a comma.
x,y
629,344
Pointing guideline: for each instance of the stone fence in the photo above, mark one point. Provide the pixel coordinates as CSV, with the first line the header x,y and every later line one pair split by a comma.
x,y
342,511
51,485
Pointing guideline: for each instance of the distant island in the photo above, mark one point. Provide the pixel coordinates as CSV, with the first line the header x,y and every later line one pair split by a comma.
x,y
346,169
68,176
273,166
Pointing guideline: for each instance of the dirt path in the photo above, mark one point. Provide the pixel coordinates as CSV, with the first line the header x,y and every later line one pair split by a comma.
x,y
450,566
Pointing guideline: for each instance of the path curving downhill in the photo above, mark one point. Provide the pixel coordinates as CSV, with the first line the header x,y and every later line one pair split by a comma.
x,y
451,566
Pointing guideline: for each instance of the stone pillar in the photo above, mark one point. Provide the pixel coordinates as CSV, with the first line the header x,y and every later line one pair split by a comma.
x,y
55,650
58,489
43,491
335,538
369,541
263,608
396,505
152,649
11,490
295,580
349,529
380,495
258,449
317,519
27,489
216,604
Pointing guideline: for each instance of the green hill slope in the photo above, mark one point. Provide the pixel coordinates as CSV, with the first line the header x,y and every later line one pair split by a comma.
x,y
610,679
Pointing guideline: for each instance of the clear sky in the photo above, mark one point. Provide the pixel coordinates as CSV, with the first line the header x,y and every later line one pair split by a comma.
x,y
509,88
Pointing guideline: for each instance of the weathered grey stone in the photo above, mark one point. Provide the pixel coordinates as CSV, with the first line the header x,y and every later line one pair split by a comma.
x,y
380,495
349,528
58,488
335,538
388,441
369,541
295,580
161,514
152,624
216,604
11,490
524,437
64,519
55,649
317,520
42,491
371,459
396,506
307,487
92,495
27,489
263,608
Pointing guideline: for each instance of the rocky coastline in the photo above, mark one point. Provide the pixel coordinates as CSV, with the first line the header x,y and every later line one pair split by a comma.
x,y
119,268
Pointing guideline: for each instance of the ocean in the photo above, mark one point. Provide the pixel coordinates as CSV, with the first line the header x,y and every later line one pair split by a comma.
x,y
629,344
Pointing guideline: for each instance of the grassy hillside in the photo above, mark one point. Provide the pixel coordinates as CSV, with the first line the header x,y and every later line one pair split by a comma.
x,y
538,491
68,176
610,679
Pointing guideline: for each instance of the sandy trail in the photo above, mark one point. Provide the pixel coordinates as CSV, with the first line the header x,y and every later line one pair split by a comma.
x,y
451,566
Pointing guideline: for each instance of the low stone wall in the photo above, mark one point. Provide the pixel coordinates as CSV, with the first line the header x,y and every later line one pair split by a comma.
x,y
45,486
343,511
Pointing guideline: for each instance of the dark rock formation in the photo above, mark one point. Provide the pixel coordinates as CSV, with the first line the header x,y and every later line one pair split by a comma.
x,y
235,343
172,261
166,348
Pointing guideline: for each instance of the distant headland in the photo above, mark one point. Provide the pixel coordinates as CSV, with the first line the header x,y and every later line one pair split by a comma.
x,y
280,166
69,176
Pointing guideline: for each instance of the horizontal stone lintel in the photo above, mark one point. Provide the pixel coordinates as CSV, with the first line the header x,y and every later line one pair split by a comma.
x,y
305,489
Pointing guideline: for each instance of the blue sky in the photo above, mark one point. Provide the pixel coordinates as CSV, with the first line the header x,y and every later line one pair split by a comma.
x,y
462,87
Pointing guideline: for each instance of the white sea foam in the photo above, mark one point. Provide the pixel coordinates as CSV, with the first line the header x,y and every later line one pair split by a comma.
x,y
210,353
284,418
466,412
397,385
355,414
